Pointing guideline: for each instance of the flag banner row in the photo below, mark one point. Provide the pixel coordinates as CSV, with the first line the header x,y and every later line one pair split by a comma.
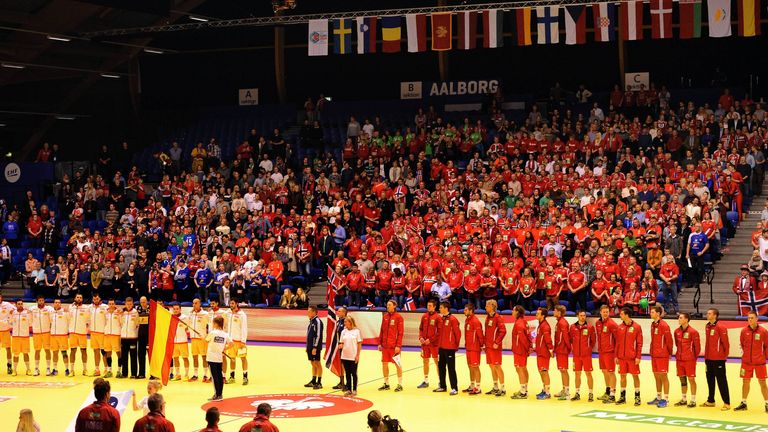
x,y
467,30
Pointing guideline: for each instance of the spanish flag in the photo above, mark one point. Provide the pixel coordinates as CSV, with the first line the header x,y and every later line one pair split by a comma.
x,y
749,17
162,331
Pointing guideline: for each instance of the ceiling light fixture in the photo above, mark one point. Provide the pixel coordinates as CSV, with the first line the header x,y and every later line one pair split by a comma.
x,y
196,18
110,76
64,118
12,66
58,38
152,51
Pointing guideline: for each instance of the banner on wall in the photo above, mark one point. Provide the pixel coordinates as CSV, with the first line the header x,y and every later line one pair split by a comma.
x,y
413,89
248,97
635,79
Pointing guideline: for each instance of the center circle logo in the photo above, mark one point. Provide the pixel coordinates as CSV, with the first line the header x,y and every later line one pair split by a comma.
x,y
291,405
12,172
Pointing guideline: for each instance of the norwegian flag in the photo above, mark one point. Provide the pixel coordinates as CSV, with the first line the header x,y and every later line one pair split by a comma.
x,y
409,304
332,353
369,305
749,301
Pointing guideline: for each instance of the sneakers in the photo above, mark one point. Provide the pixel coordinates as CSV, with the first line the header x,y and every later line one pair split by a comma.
x,y
338,386
467,390
307,385
563,396
501,393
543,396
29,373
591,397
520,395
453,392
742,407
637,400
708,404
604,396
108,374
66,372
245,380
692,405
475,391
10,370
206,379
348,393
437,390
37,372
621,400
560,394
423,384
14,373
399,388
683,402
317,386
492,391
215,398
120,376
48,373
231,380
575,397
385,386
85,372
96,373
176,378
192,378
725,407
54,372
662,403
655,401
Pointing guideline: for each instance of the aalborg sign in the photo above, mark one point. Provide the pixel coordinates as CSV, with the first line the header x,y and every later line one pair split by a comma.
x,y
413,89
291,405
648,419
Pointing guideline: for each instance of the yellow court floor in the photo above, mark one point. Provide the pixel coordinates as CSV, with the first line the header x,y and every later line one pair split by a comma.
x,y
277,375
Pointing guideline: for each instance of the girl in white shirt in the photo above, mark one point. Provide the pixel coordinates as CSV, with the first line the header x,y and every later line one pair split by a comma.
x,y
153,386
351,344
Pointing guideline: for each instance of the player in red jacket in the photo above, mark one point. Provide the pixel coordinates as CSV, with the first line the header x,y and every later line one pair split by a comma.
x,y
754,346
605,327
562,343
543,351
688,349
450,334
521,348
629,345
495,330
474,342
390,343
429,338
661,351
583,338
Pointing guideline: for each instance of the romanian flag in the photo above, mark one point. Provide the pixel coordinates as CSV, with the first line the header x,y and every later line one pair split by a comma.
x,y
391,33
162,331
749,17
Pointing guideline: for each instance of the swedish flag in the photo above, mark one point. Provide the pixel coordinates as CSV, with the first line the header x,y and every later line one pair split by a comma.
x,y
342,36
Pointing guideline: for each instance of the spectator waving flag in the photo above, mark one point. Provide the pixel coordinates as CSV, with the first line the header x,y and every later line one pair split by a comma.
x,y
690,19
162,331
753,300
409,304
332,353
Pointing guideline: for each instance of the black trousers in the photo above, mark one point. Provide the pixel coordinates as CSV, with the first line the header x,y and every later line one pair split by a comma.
x,y
350,371
142,349
128,353
218,380
716,371
447,358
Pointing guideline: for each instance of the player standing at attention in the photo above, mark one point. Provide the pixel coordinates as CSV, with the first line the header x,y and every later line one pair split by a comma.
x,y
314,346
474,341
715,354
79,319
582,340
59,336
605,328
688,348
6,308
21,320
521,348
218,341
41,333
390,343
429,339
562,343
237,328
129,337
97,311
450,335
495,331
754,346
543,351
661,351
180,345
110,340
198,322
629,344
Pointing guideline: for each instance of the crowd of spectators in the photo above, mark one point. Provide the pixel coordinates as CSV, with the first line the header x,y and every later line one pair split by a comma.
x,y
577,209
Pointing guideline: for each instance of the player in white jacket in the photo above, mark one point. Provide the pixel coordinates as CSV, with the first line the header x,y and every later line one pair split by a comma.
x,y
180,345
59,336
41,331
236,324
6,308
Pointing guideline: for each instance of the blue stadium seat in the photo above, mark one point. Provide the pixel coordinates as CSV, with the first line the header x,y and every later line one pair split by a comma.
x,y
660,298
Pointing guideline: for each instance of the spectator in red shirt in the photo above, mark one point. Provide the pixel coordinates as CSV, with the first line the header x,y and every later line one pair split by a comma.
x,y
261,421
99,416
154,421
212,419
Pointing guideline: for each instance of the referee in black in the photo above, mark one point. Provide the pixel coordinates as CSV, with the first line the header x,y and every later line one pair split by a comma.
x,y
715,354
314,347
143,310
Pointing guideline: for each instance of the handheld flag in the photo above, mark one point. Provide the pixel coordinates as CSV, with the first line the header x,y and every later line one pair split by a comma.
x,y
162,331
118,401
409,304
332,353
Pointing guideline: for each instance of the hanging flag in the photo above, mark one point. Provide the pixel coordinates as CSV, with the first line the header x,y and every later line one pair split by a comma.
x,y
416,30
342,36
317,44
467,37
390,34
442,33
523,26
719,12
749,17
631,21
575,25
548,24
366,35
661,19
332,353
162,331
409,304
690,19
118,401
493,28
605,21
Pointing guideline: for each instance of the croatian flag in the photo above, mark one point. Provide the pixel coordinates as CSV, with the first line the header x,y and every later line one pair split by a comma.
x,y
605,21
